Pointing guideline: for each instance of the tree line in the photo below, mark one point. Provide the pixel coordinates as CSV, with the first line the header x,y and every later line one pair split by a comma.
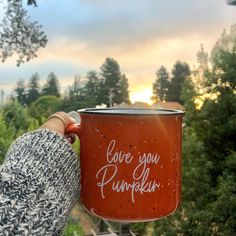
x,y
108,87
168,88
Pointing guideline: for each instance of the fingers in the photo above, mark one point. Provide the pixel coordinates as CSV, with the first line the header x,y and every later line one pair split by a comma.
x,y
58,122
66,119
70,138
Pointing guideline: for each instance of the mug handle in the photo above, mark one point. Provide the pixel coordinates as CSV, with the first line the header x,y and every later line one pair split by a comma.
x,y
73,129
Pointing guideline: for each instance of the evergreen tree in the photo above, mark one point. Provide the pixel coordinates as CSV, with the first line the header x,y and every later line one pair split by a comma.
x,y
52,86
33,89
76,88
180,72
160,86
111,83
21,92
92,88
124,90
75,98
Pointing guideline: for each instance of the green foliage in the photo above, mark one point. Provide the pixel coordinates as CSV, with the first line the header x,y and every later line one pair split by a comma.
x,y
124,89
202,58
16,117
52,86
114,86
92,89
14,121
27,95
188,95
167,88
73,228
33,89
76,146
209,161
21,92
7,136
225,203
44,106
180,73
139,228
160,86
188,219
76,97
18,34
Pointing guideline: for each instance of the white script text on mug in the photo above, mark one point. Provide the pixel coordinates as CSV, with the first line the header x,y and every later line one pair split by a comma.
x,y
106,175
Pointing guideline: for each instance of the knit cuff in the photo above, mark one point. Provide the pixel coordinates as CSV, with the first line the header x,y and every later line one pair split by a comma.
x,y
47,157
42,172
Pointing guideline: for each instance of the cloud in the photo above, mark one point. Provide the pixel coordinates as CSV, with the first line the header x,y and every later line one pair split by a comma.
x,y
109,24
10,74
109,27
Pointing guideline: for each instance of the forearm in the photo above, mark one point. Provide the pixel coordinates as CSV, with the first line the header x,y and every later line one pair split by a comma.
x,y
39,183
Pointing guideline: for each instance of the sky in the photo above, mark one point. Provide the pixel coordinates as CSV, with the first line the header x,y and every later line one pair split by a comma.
x,y
141,35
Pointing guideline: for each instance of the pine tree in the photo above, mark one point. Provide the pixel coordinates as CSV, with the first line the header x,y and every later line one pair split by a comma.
x,y
21,92
75,98
52,86
124,89
180,72
33,89
92,89
76,88
111,83
160,86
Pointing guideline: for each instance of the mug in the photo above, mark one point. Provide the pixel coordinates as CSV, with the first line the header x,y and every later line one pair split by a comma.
x,y
130,162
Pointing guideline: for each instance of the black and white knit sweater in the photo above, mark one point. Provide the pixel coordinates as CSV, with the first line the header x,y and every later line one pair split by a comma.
x,y
39,184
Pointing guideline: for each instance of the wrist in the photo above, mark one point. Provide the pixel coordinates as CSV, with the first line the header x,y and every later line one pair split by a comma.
x,y
58,122
55,125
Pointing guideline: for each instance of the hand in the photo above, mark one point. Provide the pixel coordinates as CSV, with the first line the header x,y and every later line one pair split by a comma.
x,y
58,122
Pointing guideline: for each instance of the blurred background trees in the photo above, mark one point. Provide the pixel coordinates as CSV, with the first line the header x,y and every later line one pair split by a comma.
x,y
168,88
52,86
33,89
114,85
161,84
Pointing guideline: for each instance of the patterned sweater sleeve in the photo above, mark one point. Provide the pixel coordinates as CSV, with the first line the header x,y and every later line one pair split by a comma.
x,y
39,184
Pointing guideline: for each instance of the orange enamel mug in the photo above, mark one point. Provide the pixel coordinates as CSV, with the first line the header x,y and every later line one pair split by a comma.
x,y
130,162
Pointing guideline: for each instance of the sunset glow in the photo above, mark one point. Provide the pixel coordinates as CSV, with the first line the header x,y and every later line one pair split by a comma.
x,y
141,96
